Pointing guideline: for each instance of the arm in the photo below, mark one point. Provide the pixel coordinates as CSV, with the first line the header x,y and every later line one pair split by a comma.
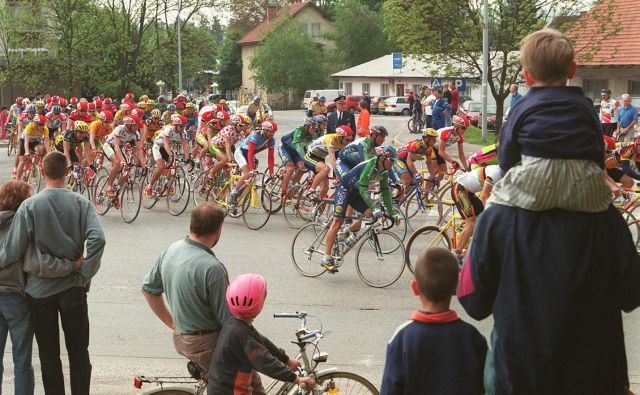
x,y
185,148
26,143
461,155
116,149
92,139
217,290
166,142
626,167
363,183
265,362
15,241
270,160
332,156
486,190
296,142
441,151
386,195
393,375
94,242
227,148
43,265
251,154
159,308
410,164
67,149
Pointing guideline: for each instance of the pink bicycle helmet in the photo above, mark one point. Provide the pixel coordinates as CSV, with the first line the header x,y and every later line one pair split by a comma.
x,y
246,295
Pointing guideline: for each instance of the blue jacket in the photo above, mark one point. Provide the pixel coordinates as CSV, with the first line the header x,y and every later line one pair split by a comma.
x,y
552,123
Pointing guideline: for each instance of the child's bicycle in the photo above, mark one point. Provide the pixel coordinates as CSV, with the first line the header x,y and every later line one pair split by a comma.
x,y
380,257
328,381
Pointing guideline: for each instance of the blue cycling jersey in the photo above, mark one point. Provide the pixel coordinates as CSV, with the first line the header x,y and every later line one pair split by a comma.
x,y
359,150
261,141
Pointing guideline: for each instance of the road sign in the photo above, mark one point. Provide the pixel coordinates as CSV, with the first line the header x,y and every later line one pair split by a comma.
x,y
461,84
436,83
397,60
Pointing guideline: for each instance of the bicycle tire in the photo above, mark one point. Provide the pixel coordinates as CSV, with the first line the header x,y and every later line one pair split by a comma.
x,y
101,201
382,275
273,186
220,197
84,190
256,205
35,178
149,202
178,201
401,230
201,188
298,212
307,250
342,383
425,237
171,392
130,201
422,208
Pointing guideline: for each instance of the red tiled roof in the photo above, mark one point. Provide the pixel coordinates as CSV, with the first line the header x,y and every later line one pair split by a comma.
x,y
257,34
595,47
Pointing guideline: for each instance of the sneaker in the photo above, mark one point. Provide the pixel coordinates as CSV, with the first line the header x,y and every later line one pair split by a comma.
x,y
343,237
284,199
233,198
110,192
313,196
329,264
171,190
148,191
352,240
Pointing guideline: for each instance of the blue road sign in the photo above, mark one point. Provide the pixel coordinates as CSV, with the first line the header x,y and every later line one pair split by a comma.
x,y
397,60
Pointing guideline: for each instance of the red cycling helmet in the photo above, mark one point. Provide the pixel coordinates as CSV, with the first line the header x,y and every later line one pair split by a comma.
x,y
136,112
37,119
73,100
19,101
609,143
207,116
269,126
91,106
222,115
98,103
129,96
49,99
62,102
129,121
55,98
460,121
106,116
344,130
83,106
178,120
107,101
246,295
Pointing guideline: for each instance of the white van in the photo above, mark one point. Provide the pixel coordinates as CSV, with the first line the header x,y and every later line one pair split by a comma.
x,y
329,94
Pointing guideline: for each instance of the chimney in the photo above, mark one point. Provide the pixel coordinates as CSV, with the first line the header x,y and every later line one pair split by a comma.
x,y
272,10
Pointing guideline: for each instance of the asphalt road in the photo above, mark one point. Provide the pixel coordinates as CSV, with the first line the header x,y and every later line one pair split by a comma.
x,y
127,339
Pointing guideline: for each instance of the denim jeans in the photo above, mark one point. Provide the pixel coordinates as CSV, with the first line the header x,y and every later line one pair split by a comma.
x,y
71,306
15,320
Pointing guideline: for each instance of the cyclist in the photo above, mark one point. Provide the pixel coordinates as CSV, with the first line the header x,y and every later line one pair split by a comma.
x,y
40,108
123,111
318,150
151,125
293,149
171,111
255,109
245,155
223,144
100,129
191,114
162,103
360,150
81,113
405,168
107,104
463,192
618,164
322,121
448,136
486,156
55,119
72,140
35,135
14,111
208,128
150,105
612,173
51,102
353,191
162,152
113,145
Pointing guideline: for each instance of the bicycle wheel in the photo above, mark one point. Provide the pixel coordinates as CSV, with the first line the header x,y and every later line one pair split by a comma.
x,y
201,188
130,200
100,199
273,186
414,125
84,190
399,230
307,250
35,178
380,259
342,383
425,237
149,202
422,207
178,192
256,208
299,211
220,197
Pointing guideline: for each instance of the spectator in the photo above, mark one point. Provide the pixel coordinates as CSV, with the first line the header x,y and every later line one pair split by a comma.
x,y
555,293
515,95
367,99
4,116
435,337
627,120
608,112
63,224
411,100
340,116
455,97
448,97
427,102
416,109
313,102
363,120
439,108
319,107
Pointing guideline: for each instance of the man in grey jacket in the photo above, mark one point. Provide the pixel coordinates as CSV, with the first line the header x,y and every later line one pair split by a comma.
x,y
59,222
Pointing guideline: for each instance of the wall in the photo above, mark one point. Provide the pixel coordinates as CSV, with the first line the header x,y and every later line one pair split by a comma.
x,y
618,78
309,15
248,50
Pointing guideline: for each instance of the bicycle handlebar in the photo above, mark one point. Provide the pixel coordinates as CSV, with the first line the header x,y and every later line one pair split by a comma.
x,y
289,315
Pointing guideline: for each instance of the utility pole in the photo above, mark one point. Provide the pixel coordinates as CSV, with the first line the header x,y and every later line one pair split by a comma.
x,y
485,66
179,47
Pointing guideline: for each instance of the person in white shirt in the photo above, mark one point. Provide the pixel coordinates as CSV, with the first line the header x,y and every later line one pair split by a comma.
x,y
609,109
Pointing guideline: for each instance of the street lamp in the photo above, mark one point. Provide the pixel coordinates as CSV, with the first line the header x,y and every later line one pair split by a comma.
x,y
179,47
485,67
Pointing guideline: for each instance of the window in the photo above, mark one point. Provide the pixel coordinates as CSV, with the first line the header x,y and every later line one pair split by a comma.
x,y
341,86
416,88
348,87
315,30
399,89
366,87
592,89
634,88
384,89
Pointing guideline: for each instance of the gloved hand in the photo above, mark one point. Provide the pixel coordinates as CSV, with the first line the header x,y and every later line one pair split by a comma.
x,y
418,178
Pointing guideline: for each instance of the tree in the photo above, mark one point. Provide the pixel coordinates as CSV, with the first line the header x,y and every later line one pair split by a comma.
x,y
359,34
288,60
452,37
229,75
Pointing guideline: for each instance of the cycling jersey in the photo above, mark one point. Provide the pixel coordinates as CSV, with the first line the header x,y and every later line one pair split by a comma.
x,y
55,121
623,157
418,148
124,134
355,185
154,126
99,130
261,141
70,137
119,115
485,157
359,150
230,133
76,116
166,116
449,136
299,140
320,146
32,131
173,134
251,145
473,180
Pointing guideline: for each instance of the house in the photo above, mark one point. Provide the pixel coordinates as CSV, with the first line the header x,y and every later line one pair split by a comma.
x,y
317,21
607,60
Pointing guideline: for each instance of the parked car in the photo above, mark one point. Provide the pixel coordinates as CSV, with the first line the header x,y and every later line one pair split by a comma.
x,y
329,94
397,105
471,109
491,117
352,103
375,103
266,108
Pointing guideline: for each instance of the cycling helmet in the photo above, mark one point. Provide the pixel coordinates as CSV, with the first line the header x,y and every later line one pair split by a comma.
x,y
344,130
91,106
178,120
63,102
95,98
32,109
38,119
235,120
97,103
129,96
107,101
141,105
257,98
144,98
55,98
246,120
106,116
309,122
81,126
322,98
460,121
171,107
207,116
125,106
609,143
156,113
83,106
429,133
48,99
223,102
56,109
387,151
269,126
189,105
19,101
246,295
129,121
378,130
222,115
73,100
161,99
150,103
40,104
320,119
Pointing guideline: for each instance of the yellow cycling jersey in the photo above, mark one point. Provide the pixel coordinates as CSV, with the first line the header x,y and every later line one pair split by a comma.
x,y
320,146
99,130
120,114
32,131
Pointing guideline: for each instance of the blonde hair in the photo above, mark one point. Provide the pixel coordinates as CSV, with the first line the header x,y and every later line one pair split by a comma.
x,y
548,55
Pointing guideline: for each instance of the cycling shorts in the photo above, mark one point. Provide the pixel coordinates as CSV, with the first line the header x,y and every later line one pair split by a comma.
x,y
201,139
439,159
400,168
32,145
342,168
160,153
108,150
311,161
240,157
467,203
615,174
72,152
344,198
288,155
214,150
